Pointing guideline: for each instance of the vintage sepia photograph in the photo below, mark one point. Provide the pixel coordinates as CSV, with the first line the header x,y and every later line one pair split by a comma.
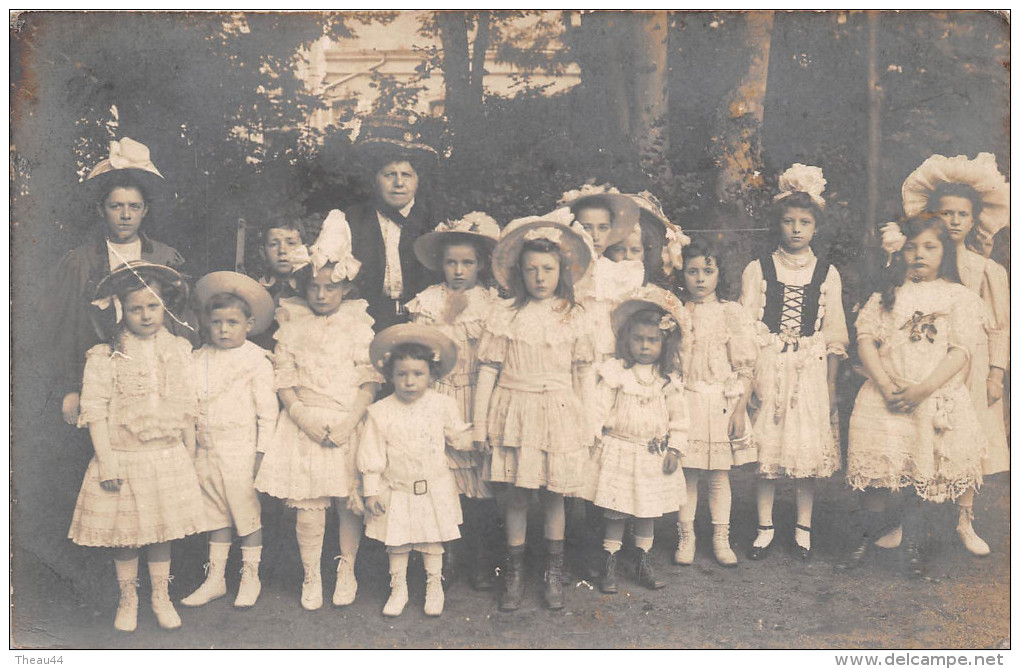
x,y
511,329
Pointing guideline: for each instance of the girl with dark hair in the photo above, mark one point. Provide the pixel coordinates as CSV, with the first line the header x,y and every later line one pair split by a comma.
x,y
644,420
535,390
913,425
718,367
972,199
797,299
411,496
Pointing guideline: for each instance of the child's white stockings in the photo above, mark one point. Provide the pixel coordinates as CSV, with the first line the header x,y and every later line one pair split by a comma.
x,y
127,609
310,530
215,584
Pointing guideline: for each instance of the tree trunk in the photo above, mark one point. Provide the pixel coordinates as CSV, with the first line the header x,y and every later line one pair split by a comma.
x,y
738,132
453,34
650,98
478,50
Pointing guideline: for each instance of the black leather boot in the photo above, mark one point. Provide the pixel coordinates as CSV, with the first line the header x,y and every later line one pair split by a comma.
x,y
607,581
554,576
513,579
869,524
645,572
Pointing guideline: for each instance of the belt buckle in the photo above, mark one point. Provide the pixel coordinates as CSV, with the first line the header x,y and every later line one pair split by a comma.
x,y
421,487
398,308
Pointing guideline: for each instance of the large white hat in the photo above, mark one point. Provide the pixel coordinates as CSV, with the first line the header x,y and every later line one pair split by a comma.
x,y
981,174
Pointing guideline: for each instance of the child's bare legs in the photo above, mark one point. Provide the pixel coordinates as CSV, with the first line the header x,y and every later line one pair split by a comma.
x,y
126,562
516,520
766,493
555,525
215,584
805,504
159,575
310,530
685,544
719,501
965,527
350,539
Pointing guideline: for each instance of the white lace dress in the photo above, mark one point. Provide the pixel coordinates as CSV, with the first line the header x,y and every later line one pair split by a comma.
x,y
640,419
716,362
325,359
791,423
538,429
145,393
938,447
429,308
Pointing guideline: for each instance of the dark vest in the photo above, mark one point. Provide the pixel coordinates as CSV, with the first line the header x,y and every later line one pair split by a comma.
x,y
774,292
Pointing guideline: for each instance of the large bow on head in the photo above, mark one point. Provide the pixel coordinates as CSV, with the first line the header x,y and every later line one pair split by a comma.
x,y
334,246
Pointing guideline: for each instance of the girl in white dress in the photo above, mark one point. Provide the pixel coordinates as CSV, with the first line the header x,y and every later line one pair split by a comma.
x,y
536,389
411,493
913,425
718,366
972,199
326,381
138,402
461,250
644,428
796,299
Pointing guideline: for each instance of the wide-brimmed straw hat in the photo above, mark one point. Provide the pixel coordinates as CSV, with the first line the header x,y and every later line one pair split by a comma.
x,y
653,298
132,276
138,273
507,253
126,157
477,227
387,137
248,289
982,174
444,351
624,209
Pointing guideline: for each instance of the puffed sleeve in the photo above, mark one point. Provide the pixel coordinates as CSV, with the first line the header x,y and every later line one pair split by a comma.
x,y
366,371
492,348
267,407
752,295
995,292
284,367
371,455
97,385
970,320
676,407
837,338
869,320
741,346
455,429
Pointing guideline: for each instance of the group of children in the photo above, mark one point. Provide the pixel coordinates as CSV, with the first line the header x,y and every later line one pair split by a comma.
x,y
578,377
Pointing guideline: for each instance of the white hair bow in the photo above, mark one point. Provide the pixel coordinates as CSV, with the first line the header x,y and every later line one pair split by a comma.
x,y
334,246
801,178
672,250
